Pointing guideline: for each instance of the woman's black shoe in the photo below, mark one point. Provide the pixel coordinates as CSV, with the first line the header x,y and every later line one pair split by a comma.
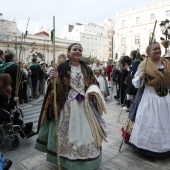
x,y
27,129
7,164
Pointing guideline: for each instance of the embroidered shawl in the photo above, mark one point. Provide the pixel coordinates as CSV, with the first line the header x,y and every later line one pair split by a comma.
x,y
152,70
63,82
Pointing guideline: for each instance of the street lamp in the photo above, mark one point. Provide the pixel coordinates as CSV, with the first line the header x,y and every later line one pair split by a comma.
x,y
165,28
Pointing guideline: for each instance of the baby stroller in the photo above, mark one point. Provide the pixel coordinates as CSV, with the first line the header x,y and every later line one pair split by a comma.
x,y
10,131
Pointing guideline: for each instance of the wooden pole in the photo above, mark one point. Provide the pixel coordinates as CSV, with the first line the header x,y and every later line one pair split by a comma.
x,y
150,44
16,48
18,76
55,101
25,36
20,48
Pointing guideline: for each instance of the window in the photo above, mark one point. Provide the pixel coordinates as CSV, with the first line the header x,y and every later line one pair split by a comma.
x,y
123,23
137,20
123,41
137,40
168,13
152,17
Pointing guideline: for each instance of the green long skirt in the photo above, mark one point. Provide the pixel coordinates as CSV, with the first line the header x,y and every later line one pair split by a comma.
x,y
46,142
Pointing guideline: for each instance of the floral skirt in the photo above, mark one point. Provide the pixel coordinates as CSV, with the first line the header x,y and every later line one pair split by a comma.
x,y
46,142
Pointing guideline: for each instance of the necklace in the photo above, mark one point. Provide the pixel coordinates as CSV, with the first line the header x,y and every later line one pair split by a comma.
x,y
75,65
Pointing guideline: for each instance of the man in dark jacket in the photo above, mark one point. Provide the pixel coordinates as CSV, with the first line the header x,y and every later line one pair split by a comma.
x,y
35,70
10,68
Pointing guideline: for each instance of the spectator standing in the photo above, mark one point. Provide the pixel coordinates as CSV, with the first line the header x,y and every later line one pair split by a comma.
x,y
12,69
131,90
34,76
108,72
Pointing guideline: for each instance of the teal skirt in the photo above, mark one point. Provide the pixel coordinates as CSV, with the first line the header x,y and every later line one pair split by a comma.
x,y
46,142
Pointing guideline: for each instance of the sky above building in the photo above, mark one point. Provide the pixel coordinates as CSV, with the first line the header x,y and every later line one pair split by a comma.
x,y
65,11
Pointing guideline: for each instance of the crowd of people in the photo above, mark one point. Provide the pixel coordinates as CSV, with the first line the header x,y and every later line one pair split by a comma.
x,y
32,76
142,86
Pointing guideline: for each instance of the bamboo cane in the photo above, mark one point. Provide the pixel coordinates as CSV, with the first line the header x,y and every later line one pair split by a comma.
x,y
18,70
55,102
18,76
16,48
122,107
150,43
20,49
25,35
17,79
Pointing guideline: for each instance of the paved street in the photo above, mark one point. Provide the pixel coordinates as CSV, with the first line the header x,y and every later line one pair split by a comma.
x,y
27,158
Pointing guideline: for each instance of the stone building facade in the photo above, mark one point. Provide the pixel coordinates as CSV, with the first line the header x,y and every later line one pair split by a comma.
x,y
94,39
109,26
40,44
134,27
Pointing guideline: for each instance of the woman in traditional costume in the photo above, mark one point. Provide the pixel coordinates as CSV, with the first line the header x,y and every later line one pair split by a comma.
x,y
80,105
151,130
99,74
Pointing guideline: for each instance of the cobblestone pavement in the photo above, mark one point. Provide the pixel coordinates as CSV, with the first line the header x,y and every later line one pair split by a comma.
x,y
112,159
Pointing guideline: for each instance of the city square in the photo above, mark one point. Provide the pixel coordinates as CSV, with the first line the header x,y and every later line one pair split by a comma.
x,y
26,157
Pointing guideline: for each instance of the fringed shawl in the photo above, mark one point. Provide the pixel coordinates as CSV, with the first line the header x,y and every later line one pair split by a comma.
x,y
152,70
97,131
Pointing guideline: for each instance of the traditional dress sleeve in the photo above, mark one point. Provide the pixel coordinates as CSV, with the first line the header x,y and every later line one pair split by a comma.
x,y
136,80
